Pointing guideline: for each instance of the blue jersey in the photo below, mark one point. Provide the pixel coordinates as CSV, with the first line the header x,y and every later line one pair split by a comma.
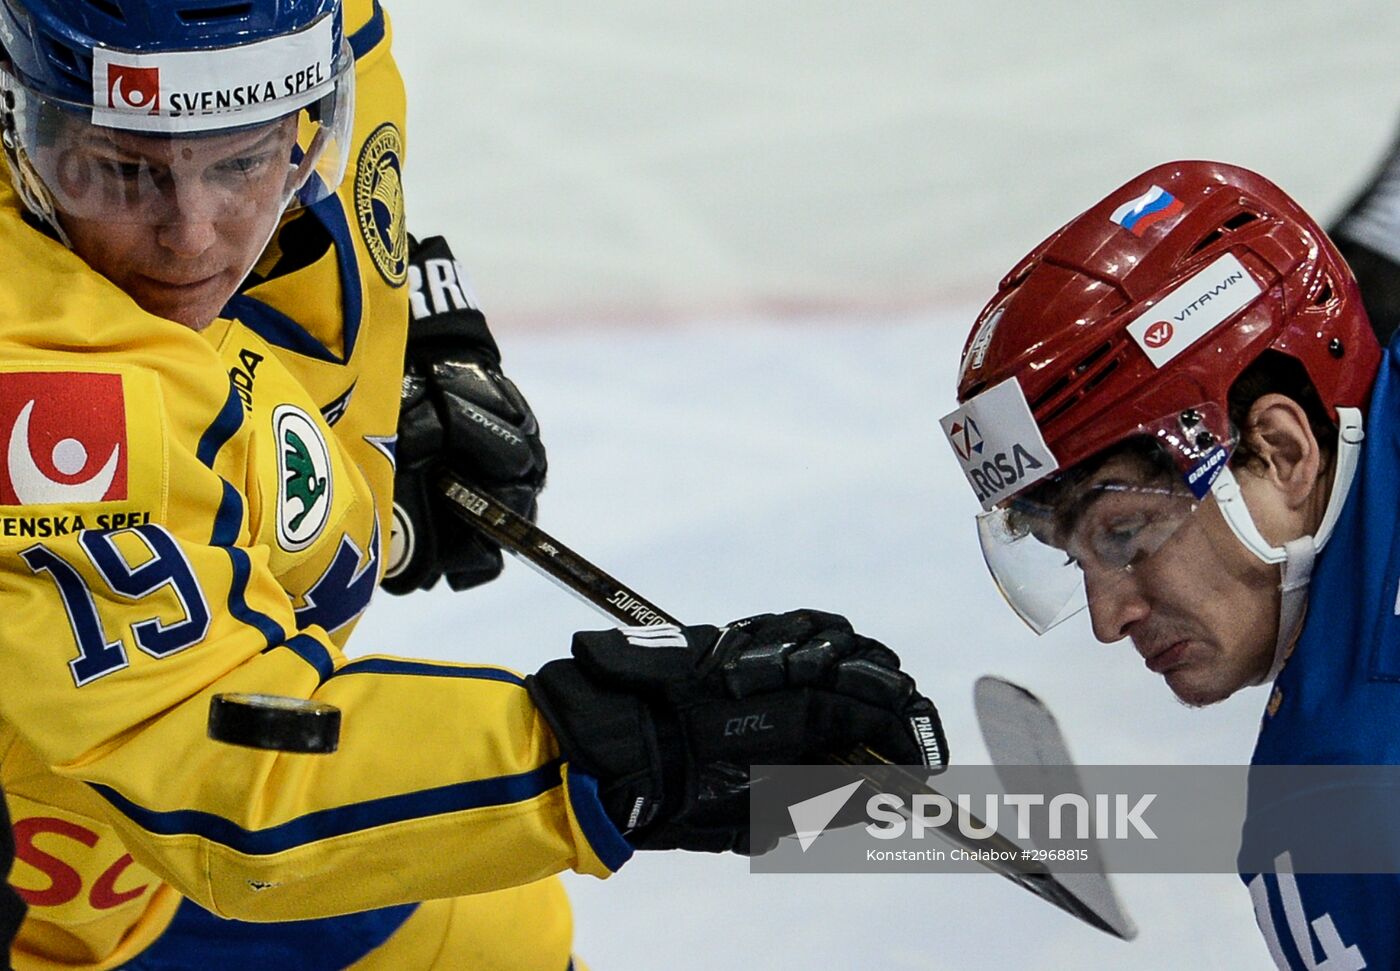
x,y
1337,702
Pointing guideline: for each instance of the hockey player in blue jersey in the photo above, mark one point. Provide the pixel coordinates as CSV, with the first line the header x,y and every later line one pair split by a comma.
x,y
1175,412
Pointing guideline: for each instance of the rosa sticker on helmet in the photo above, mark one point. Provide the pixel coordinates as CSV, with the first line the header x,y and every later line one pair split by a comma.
x,y
998,444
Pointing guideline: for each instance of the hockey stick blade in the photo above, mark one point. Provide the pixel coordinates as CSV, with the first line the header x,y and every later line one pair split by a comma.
x,y
622,604
1021,734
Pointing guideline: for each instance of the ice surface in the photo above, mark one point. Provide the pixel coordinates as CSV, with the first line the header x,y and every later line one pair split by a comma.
x,y
724,469
731,250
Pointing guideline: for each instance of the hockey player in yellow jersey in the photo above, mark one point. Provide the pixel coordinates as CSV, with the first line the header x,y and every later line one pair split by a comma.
x,y
179,518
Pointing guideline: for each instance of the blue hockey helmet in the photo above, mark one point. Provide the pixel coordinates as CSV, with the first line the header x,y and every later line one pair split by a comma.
x,y
128,75
51,42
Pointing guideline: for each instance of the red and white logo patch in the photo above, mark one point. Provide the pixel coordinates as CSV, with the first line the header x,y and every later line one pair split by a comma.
x,y
133,88
1159,334
64,437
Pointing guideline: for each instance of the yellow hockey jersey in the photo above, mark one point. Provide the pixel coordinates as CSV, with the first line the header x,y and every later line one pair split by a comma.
x,y
182,515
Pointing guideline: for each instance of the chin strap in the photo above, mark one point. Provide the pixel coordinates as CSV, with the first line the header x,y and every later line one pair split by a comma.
x,y
1297,556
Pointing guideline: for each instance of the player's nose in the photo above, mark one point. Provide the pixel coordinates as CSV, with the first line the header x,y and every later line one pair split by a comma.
x,y
189,226
187,238
1116,603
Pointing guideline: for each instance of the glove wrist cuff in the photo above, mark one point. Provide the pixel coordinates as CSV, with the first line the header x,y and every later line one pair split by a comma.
x,y
609,735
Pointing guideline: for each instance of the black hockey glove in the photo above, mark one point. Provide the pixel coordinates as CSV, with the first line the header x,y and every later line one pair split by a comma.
x,y
668,720
457,413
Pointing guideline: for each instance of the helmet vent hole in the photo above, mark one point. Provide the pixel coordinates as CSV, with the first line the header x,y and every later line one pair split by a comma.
x,y
1210,237
1071,387
1324,293
1238,221
1092,358
1097,379
62,57
1050,393
204,15
108,8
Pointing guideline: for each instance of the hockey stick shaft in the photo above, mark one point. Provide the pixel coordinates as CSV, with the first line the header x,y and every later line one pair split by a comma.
x,y
621,603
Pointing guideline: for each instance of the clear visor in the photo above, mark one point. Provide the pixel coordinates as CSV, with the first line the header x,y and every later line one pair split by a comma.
x,y
1068,538
64,164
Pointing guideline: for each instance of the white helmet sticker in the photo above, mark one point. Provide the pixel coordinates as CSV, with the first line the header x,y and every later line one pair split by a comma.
x,y
1193,309
998,443
981,341
192,91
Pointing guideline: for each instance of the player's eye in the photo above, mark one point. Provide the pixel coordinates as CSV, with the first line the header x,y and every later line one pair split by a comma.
x,y
244,166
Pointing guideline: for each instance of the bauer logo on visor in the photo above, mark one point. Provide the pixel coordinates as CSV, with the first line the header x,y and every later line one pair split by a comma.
x,y
1194,309
998,444
191,91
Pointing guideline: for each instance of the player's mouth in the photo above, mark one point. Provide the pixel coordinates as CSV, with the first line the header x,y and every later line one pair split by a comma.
x,y
1162,658
183,287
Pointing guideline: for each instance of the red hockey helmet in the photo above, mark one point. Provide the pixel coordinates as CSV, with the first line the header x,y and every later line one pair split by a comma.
x,y
1143,311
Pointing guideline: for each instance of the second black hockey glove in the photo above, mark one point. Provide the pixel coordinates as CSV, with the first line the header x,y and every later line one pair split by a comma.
x,y
668,720
457,413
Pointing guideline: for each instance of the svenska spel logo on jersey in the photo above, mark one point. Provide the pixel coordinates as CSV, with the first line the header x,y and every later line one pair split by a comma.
x,y
379,203
304,470
65,438
133,88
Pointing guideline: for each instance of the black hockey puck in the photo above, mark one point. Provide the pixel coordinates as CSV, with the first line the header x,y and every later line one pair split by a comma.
x,y
275,723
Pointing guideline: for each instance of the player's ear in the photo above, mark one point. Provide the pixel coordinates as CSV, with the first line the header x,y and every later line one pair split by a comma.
x,y
1285,452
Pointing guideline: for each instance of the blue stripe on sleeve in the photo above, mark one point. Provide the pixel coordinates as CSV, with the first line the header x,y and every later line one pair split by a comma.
x,y
343,820
610,845
229,519
367,37
198,939
379,665
230,419
312,651
226,524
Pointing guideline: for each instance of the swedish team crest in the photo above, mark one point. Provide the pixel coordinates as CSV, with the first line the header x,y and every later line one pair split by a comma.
x,y
304,471
379,203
